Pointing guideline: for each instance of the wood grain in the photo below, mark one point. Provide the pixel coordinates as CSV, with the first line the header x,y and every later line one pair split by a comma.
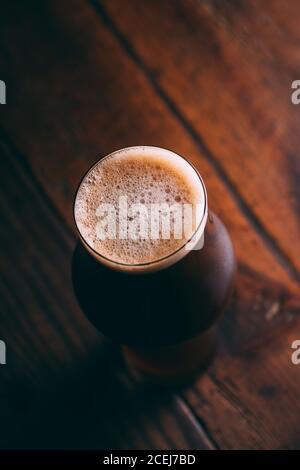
x,y
76,91
63,386
227,68
69,127
251,401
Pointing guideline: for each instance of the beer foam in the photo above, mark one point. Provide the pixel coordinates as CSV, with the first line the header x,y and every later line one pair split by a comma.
x,y
144,175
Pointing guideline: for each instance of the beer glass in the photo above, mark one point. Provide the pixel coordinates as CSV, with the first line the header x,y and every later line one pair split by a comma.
x,y
163,312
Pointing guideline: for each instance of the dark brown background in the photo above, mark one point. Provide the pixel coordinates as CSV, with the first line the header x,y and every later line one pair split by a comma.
x,y
211,80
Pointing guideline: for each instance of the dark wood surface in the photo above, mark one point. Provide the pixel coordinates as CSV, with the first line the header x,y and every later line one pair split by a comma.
x,y
212,81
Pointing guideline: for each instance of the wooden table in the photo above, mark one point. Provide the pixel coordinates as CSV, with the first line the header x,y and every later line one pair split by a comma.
x,y
211,80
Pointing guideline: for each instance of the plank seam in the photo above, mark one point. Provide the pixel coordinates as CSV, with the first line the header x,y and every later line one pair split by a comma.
x,y
199,422
283,259
32,180
236,403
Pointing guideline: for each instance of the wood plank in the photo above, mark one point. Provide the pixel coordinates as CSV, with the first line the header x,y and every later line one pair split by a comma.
x,y
229,422
260,309
66,127
87,98
63,386
226,68
251,401
249,398
60,159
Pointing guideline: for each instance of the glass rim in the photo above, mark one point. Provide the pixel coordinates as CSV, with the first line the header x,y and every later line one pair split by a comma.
x,y
99,256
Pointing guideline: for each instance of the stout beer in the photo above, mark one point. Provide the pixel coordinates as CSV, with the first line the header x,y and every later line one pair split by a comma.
x,y
154,268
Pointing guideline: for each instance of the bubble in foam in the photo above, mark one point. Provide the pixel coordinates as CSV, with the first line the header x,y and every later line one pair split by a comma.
x,y
143,177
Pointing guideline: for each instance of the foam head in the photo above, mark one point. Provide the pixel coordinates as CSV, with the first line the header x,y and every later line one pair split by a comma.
x,y
137,208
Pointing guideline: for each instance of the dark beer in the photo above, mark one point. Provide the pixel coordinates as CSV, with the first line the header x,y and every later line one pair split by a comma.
x,y
163,309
